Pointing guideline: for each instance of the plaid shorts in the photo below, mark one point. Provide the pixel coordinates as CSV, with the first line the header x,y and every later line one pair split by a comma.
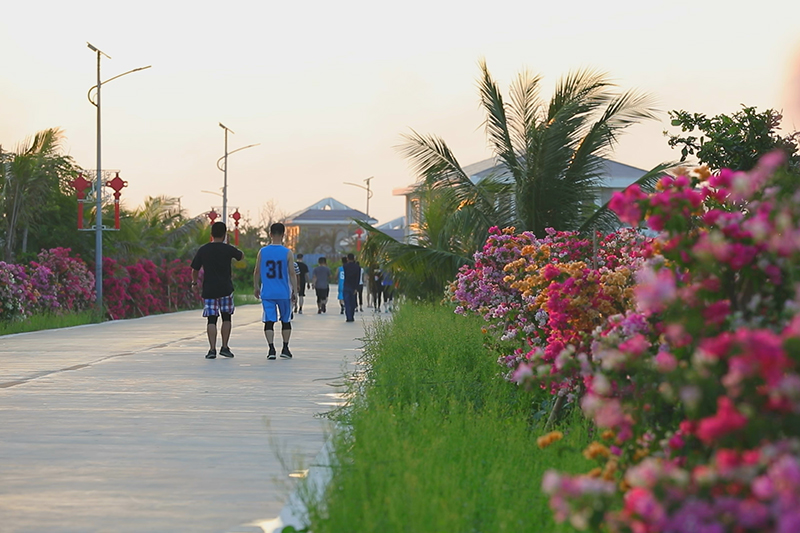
x,y
215,306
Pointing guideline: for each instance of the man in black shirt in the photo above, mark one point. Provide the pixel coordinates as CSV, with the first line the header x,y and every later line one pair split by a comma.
x,y
302,281
215,260
352,277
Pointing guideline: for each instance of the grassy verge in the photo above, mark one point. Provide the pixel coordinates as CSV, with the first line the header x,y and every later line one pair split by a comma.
x,y
437,441
244,299
40,322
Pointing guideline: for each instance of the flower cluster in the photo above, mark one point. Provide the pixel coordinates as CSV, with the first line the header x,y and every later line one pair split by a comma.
x,y
542,298
143,288
58,282
55,283
697,387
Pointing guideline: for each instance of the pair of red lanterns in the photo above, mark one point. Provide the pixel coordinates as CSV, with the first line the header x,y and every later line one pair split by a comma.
x,y
81,184
236,216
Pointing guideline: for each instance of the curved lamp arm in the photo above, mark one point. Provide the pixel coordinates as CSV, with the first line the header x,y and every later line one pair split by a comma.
x,y
94,87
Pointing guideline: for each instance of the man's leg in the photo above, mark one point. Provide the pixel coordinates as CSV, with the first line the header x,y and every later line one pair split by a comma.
x,y
286,327
211,331
225,351
269,319
349,304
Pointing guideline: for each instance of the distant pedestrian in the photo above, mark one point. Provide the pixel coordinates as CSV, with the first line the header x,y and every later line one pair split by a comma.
x,y
302,281
376,288
352,277
388,291
340,277
215,260
321,280
275,283
363,282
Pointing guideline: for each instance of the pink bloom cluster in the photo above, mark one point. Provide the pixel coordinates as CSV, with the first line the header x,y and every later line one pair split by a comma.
x,y
56,282
693,380
143,288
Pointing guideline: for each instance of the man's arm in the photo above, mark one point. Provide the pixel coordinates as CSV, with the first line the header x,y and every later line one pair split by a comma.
x,y
257,277
292,275
195,277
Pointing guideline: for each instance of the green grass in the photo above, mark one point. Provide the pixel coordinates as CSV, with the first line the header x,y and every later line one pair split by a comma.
x,y
244,299
436,441
40,322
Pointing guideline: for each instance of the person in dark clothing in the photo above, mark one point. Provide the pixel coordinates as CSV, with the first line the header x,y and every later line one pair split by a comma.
x,y
302,281
215,260
352,278
320,279
376,287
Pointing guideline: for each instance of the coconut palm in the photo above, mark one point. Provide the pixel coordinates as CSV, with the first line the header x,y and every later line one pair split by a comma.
x,y
550,152
549,156
28,178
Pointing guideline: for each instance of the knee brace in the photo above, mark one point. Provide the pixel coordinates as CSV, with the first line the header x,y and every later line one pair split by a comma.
x,y
269,325
286,325
212,319
226,317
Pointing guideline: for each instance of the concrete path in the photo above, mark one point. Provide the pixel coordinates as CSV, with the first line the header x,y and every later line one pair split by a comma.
x,y
126,427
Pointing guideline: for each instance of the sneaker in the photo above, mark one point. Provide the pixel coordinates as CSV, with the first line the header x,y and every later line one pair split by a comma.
x,y
225,351
300,311
271,354
212,354
324,308
285,353
342,311
319,311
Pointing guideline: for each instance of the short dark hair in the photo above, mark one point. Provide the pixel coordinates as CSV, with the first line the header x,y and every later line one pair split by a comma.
x,y
277,229
351,257
218,230
299,256
322,261
344,259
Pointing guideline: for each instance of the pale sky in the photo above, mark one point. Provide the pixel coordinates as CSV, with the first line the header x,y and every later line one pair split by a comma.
x,y
328,88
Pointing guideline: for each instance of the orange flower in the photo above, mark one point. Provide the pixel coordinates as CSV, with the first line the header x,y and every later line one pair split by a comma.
x,y
550,438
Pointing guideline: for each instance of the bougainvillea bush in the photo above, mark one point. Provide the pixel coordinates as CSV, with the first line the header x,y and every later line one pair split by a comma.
x,y
695,390
55,283
58,283
540,296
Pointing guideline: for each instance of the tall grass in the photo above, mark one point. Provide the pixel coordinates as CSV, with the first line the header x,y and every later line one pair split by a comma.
x,y
436,440
40,322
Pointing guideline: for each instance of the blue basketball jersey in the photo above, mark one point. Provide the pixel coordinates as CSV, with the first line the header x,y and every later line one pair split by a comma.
x,y
275,273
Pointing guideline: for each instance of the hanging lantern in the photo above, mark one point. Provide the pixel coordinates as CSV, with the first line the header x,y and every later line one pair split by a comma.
x,y
80,184
117,184
236,216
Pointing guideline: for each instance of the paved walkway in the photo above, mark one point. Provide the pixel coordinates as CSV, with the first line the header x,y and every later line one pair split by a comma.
x,y
125,427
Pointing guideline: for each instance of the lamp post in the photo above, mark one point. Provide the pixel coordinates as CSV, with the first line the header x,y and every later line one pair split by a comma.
x,y
224,169
98,254
369,192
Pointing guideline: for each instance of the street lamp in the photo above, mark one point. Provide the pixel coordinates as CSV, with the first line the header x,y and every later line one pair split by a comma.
x,y
224,170
98,257
369,192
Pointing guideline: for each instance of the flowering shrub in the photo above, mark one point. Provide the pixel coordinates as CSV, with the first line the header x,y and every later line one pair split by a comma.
x,y
54,283
694,383
548,294
59,283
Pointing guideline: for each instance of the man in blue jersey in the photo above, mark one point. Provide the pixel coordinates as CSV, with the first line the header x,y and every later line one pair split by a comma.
x,y
275,283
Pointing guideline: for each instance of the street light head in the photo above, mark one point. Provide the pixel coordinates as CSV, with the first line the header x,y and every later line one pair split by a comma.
x,y
92,48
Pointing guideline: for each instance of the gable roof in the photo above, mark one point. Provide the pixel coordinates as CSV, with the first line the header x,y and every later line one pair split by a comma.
x,y
328,211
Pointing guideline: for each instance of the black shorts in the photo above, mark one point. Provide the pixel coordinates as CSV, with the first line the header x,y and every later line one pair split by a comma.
x,y
322,294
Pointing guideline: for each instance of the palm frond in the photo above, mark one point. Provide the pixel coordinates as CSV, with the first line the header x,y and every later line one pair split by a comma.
x,y
497,123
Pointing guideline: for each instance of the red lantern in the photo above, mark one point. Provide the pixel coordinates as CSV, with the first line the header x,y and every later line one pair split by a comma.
x,y
359,231
80,184
213,216
236,216
117,184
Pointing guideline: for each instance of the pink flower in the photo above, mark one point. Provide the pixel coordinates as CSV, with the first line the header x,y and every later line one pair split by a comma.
x,y
665,362
725,421
654,290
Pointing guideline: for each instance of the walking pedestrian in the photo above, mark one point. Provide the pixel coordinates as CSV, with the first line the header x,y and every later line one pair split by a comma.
x,y
340,277
388,291
321,281
376,288
363,281
215,260
352,276
275,283
302,281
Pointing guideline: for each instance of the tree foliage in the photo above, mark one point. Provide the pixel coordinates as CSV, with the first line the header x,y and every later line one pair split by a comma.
x,y
735,141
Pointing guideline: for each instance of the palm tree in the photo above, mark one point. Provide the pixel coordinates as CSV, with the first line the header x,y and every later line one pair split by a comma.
x,y
27,178
550,152
549,156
